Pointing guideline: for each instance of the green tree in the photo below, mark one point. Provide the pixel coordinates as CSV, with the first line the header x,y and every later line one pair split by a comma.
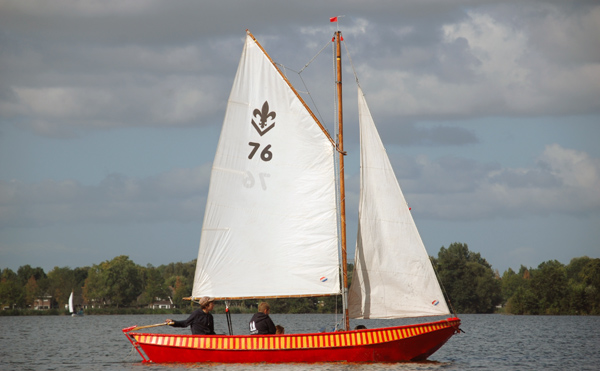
x,y
575,267
32,291
516,292
61,283
80,275
154,286
25,272
577,288
94,288
180,291
184,272
511,282
123,281
469,280
523,301
590,275
11,292
549,286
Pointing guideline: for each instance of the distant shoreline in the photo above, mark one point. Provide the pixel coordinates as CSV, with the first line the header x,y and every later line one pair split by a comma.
x,y
219,309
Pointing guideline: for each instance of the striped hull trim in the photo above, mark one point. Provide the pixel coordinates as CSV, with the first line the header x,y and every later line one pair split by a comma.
x,y
385,344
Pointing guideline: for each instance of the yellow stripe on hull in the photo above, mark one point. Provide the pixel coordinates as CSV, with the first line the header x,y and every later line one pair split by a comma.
x,y
299,341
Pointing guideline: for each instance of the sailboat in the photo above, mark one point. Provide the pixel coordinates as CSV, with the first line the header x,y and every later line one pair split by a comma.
x,y
274,227
72,307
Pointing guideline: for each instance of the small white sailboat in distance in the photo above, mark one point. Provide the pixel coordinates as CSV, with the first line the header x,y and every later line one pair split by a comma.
x,y
72,307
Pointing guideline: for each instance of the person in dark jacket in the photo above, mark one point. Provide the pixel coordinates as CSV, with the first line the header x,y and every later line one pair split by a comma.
x,y
201,320
261,323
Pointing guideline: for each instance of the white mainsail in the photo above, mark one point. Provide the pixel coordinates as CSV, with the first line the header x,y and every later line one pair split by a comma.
x,y
270,224
393,276
71,306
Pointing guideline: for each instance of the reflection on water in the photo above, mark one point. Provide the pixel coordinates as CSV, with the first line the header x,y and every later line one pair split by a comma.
x,y
490,342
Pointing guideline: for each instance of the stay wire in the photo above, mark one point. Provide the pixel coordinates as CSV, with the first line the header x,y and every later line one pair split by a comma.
x,y
351,63
437,275
315,57
299,73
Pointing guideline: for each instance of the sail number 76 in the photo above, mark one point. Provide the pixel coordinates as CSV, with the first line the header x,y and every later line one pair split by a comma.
x,y
265,154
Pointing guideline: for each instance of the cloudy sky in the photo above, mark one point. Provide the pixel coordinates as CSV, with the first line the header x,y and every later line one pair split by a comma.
x,y
110,113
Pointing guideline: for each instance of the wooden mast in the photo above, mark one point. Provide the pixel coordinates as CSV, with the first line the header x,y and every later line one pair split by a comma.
x,y
338,64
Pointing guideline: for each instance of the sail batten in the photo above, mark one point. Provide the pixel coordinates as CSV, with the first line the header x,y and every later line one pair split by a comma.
x,y
393,276
270,224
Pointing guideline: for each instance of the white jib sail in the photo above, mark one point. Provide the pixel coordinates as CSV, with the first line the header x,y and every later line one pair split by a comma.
x,y
71,307
393,276
270,225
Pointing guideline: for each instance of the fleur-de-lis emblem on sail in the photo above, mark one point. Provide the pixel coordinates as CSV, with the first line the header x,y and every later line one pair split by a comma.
x,y
264,115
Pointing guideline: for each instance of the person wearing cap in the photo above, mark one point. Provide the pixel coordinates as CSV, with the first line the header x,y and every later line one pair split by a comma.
x,y
201,321
261,323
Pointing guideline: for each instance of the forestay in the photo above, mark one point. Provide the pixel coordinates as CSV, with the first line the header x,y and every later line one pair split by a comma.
x,y
393,276
270,224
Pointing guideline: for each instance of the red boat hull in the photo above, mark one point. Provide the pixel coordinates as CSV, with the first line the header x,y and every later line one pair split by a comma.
x,y
394,344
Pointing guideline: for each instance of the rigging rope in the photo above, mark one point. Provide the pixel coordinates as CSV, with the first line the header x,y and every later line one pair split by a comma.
x,y
313,58
307,91
351,64
437,275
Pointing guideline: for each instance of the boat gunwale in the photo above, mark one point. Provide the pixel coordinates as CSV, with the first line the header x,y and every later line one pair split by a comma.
x,y
318,340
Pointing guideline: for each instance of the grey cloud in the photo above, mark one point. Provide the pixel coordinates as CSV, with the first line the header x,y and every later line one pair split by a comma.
x,y
410,134
537,178
562,181
153,63
178,195
447,175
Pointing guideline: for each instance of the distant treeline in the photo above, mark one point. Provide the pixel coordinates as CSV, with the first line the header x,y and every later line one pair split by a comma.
x,y
551,288
121,286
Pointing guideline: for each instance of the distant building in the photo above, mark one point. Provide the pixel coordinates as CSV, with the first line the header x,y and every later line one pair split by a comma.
x,y
43,302
96,303
160,303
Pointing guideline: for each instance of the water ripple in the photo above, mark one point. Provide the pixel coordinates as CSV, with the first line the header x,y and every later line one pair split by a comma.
x,y
491,342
